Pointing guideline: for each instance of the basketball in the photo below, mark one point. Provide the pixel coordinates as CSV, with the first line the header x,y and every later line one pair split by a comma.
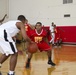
x,y
32,48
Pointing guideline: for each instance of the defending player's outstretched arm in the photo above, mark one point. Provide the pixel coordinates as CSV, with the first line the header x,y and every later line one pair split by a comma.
x,y
3,18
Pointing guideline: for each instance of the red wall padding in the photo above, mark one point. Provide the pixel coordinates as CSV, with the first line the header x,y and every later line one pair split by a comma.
x,y
67,33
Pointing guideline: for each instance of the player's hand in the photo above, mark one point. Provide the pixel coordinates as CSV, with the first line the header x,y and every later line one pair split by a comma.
x,y
32,42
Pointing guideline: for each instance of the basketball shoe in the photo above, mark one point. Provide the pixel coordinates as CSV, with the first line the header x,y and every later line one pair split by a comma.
x,y
27,65
51,63
0,73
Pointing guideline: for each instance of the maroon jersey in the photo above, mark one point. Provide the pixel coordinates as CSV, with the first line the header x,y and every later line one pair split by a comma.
x,y
38,37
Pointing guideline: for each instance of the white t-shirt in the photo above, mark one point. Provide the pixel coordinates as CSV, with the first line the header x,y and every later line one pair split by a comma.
x,y
10,27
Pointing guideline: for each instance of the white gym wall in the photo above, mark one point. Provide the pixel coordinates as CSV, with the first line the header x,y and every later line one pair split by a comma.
x,y
4,9
45,11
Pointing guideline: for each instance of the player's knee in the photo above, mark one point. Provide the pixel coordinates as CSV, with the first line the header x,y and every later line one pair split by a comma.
x,y
15,54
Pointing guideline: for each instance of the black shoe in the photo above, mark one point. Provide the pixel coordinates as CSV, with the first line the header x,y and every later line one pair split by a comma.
x,y
0,73
27,65
51,63
50,42
11,74
53,44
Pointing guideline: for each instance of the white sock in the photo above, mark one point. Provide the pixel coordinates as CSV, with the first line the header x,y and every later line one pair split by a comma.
x,y
11,72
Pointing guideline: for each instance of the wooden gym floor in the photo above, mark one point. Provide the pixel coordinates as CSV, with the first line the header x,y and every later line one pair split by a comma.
x,y
64,56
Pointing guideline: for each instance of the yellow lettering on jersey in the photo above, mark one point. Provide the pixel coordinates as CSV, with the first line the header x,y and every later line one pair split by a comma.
x,y
38,39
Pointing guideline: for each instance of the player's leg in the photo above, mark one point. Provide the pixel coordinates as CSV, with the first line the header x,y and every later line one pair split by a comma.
x,y
50,62
46,47
52,38
13,62
28,60
3,58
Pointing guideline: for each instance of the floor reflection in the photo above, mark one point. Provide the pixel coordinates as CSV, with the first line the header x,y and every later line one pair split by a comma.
x,y
64,56
50,70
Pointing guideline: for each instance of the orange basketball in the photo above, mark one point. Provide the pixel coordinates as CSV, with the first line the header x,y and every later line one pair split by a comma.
x,y
32,48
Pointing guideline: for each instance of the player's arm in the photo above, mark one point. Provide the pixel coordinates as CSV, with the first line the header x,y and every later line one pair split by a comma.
x,y
31,26
23,32
3,18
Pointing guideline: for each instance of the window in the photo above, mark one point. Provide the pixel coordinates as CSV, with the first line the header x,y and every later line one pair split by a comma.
x,y
67,15
67,1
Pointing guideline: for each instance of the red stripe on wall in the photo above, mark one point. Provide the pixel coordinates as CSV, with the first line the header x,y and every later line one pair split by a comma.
x,y
66,33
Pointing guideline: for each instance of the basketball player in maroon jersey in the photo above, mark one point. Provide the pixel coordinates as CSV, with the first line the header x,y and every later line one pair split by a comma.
x,y
38,35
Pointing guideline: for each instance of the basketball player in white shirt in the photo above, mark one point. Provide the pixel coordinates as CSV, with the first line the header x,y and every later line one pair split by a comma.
x,y
7,31
52,28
